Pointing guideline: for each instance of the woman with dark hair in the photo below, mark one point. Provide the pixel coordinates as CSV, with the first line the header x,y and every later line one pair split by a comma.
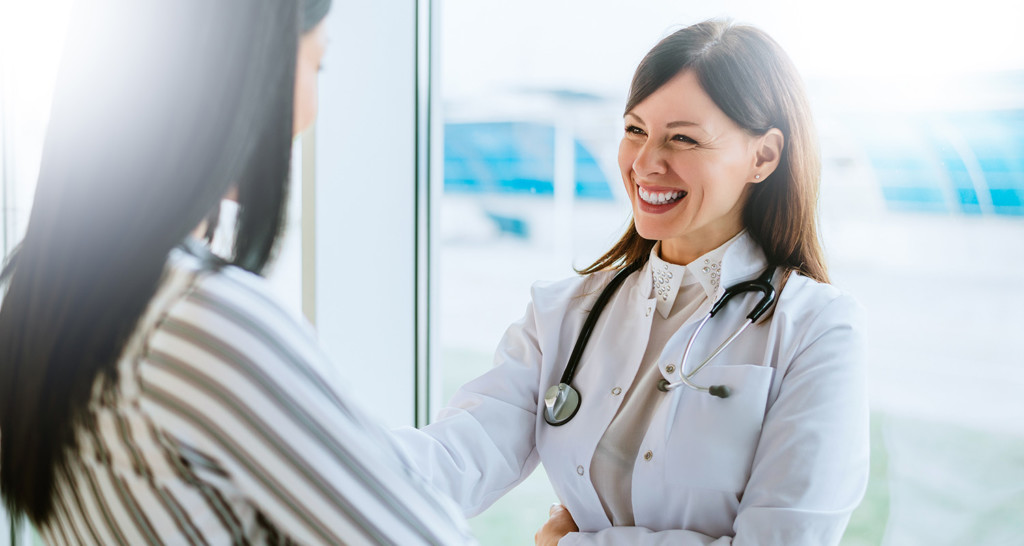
x,y
151,392
660,435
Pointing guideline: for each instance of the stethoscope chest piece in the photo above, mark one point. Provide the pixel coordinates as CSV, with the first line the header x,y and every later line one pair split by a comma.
x,y
561,402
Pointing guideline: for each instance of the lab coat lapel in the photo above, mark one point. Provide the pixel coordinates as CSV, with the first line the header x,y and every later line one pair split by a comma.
x,y
605,373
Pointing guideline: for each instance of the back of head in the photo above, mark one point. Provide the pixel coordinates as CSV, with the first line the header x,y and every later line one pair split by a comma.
x,y
160,108
751,79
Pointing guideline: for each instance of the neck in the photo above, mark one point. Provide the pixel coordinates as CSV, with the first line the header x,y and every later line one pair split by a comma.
x,y
682,251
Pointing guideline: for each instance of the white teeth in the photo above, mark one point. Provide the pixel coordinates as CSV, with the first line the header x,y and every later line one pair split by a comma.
x,y
659,198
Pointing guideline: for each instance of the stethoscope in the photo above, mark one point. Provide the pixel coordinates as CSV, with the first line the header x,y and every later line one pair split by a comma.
x,y
562,401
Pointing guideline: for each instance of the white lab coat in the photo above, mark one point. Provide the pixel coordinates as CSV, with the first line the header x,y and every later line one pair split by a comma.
x,y
783,460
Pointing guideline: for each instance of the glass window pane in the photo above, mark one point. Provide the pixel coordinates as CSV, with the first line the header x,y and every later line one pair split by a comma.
x,y
31,39
921,216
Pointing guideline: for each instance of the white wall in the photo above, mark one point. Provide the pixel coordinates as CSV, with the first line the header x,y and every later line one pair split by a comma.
x,y
366,208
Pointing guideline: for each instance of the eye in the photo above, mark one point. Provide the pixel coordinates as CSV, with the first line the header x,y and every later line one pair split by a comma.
x,y
634,130
684,139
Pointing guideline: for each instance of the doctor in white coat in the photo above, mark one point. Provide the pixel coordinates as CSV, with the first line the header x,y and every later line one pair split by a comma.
x,y
719,159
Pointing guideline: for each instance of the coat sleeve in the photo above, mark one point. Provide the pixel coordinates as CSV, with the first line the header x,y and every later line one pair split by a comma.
x,y
483,443
810,468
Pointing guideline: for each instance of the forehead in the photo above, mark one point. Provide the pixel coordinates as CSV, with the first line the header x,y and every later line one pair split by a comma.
x,y
683,99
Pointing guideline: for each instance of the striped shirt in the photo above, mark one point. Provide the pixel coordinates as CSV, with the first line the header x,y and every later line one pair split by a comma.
x,y
228,425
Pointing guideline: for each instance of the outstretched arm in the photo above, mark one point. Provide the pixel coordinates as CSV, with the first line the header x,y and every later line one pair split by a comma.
x,y
251,413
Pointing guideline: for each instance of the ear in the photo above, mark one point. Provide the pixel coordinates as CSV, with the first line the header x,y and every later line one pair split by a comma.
x,y
767,153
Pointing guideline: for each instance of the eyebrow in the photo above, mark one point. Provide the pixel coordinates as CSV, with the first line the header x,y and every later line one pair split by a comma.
x,y
671,124
682,124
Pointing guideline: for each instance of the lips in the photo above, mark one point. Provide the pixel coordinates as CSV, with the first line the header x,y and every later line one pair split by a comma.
x,y
659,197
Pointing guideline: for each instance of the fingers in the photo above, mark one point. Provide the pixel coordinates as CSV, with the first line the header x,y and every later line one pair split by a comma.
x,y
559,523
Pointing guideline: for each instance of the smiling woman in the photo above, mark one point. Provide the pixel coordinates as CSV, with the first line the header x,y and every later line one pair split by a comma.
x,y
719,161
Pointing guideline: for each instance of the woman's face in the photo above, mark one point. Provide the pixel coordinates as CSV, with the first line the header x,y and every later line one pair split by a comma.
x,y
687,168
311,52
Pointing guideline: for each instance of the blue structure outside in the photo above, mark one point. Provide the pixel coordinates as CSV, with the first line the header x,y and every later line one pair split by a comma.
x,y
513,157
937,162
997,139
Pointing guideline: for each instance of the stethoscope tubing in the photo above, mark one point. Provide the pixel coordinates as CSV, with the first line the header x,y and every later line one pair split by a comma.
x,y
595,313
685,377
762,284
564,397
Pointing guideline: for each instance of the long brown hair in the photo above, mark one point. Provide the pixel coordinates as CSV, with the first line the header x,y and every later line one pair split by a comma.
x,y
751,79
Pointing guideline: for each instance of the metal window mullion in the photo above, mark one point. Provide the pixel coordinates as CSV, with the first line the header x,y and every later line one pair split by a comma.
x,y
6,164
425,175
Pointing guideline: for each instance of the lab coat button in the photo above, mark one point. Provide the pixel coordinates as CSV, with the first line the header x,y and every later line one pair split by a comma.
x,y
649,455
670,368
648,312
616,391
579,470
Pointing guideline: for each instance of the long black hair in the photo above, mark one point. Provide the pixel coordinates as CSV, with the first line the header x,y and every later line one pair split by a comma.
x,y
160,108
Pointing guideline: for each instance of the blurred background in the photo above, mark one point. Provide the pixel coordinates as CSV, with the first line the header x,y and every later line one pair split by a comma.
x,y
920,109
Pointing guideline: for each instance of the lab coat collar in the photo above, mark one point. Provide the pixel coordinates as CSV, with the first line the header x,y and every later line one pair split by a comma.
x,y
743,260
664,279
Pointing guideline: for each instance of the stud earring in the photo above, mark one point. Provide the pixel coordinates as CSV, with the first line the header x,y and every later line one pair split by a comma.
x,y
757,176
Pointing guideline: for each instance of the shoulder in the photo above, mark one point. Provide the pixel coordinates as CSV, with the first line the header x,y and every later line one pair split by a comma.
x,y
229,316
573,291
242,299
223,351
249,292
811,305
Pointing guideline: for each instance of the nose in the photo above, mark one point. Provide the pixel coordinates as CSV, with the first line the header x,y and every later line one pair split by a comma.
x,y
649,160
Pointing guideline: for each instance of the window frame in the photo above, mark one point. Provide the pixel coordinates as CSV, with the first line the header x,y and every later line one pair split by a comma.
x,y
370,296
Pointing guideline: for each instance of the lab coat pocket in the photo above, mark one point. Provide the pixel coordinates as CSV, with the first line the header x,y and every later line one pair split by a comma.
x,y
712,440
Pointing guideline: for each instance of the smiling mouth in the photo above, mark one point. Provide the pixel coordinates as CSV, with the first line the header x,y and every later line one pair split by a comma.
x,y
659,198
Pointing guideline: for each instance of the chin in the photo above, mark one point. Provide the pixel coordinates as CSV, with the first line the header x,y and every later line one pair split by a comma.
x,y
648,232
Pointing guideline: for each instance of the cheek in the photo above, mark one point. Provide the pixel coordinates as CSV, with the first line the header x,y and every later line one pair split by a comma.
x,y
626,157
311,97
305,98
728,192
724,176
